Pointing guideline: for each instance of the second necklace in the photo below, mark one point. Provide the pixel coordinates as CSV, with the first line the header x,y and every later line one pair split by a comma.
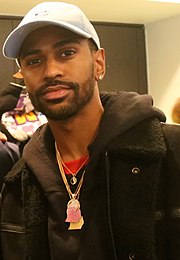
x,y
73,211
73,179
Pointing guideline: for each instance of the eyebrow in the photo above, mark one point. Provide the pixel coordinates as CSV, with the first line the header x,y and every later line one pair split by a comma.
x,y
60,43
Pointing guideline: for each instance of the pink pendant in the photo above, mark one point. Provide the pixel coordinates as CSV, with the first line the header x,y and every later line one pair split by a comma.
x,y
73,211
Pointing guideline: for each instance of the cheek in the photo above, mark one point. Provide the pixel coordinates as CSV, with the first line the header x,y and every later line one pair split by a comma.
x,y
30,80
87,70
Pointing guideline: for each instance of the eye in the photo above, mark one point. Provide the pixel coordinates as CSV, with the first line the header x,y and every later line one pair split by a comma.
x,y
33,61
67,53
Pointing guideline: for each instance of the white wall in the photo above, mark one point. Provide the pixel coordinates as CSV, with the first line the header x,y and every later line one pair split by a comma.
x,y
163,61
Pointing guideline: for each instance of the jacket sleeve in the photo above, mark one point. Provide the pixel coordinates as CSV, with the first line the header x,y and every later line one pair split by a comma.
x,y
172,190
9,155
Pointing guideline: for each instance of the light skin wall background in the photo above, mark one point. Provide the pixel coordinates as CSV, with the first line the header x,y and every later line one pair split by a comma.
x,y
163,62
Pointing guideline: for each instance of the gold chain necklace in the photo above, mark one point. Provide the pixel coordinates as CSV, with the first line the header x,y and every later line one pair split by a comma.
x,y
73,206
73,179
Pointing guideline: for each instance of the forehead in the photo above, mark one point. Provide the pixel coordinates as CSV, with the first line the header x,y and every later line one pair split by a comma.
x,y
48,35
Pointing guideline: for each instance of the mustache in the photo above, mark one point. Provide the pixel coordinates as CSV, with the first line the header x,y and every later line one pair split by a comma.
x,y
51,83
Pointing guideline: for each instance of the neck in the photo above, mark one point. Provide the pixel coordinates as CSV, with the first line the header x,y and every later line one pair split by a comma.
x,y
74,135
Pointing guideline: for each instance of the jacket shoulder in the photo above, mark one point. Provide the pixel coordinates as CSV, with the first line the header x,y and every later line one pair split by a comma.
x,y
171,134
16,170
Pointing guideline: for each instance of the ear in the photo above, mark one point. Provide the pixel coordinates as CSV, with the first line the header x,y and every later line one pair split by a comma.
x,y
100,64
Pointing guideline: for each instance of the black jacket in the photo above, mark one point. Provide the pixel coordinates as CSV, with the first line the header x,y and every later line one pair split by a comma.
x,y
130,197
9,155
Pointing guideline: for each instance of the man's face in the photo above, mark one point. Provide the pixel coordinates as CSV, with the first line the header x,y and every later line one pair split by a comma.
x,y
58,68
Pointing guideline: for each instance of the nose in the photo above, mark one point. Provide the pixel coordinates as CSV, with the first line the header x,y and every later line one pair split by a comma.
x,y
53,68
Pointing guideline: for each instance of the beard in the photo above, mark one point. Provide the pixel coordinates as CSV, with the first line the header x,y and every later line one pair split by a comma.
x,y
56,110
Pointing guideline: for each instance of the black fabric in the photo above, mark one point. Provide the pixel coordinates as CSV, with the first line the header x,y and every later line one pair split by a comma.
x,y
9,96
71,244
118,205
9,155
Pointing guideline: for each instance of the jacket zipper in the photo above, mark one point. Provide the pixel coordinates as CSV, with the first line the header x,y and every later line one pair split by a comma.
x,y
107,168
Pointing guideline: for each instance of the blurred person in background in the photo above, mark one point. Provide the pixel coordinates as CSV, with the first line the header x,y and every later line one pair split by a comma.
x,y
176,112
19,120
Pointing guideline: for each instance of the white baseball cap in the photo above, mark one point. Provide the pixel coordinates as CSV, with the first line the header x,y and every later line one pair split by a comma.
x,y
62,14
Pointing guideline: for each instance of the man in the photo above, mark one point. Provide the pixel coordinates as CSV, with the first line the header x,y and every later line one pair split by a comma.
x,y
9,155
101,180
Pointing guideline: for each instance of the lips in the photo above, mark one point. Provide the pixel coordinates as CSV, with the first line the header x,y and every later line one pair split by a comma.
x,y
56,92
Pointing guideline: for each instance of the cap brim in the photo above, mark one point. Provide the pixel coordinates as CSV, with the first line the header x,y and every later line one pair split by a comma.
x,y
13,43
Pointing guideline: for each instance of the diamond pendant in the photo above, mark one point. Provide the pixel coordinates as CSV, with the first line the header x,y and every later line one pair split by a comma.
x,y
74,216
73,211
76,225
73,180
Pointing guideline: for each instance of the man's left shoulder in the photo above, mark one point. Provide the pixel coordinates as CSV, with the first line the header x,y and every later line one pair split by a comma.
x,y
172,139
171,133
